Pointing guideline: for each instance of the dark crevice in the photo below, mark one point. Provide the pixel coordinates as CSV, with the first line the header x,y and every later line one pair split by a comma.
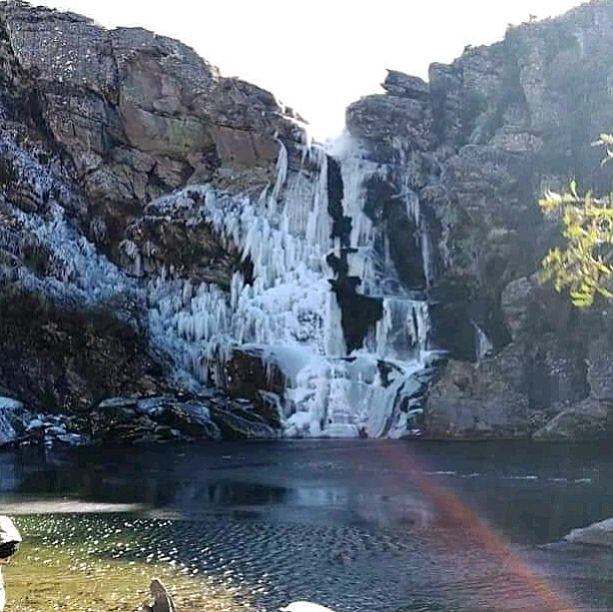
x,y
359,313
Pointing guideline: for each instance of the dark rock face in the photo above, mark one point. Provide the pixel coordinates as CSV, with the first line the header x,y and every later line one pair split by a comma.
x,y
248,377
359,313
479,143
55,356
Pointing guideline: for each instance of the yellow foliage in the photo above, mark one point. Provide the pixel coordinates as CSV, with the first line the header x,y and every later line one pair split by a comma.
x,y
584,266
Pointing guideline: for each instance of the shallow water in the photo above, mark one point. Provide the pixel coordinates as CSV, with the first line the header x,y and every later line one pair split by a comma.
x,y
356,525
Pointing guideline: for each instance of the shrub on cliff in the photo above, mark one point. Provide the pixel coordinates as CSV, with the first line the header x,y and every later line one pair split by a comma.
x,y
584,265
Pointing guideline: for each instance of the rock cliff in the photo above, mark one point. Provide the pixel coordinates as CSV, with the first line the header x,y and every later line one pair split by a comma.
x,y
166,231
483,139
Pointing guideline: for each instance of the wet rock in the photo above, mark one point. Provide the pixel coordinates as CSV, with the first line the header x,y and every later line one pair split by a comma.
x,y
238,422
190,418
469,403
588,420
183,418
152,419
13,420
253,375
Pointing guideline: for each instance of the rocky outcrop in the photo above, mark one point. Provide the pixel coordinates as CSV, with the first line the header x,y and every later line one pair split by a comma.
x,y
480,142
175,239
473,402
138,114
94,126
590,419
175,418
20,427
139,187
56,356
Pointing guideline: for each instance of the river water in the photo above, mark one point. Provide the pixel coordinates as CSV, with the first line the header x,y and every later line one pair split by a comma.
x,y
354,525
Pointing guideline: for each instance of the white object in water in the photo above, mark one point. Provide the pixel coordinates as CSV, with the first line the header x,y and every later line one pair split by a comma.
x,y
305,606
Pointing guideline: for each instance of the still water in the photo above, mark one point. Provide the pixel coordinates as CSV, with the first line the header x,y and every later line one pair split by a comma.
x,y
354,525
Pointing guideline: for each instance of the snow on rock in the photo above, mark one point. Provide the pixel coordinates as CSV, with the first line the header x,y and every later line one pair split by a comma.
x,y
13,416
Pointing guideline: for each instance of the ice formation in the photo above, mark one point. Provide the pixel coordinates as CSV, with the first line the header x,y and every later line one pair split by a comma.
x,y
289,314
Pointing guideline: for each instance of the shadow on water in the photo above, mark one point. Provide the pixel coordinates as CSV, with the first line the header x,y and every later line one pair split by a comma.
x,y
350,524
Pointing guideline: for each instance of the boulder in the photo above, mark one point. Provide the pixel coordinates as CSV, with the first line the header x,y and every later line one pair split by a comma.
x,y
470,402
598,534
152,419
186,418
238,421
13,420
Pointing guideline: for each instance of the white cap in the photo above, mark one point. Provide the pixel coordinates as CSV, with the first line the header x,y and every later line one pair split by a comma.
x,y
8,531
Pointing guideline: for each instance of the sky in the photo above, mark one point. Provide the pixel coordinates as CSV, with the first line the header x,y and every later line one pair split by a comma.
x,y
318,56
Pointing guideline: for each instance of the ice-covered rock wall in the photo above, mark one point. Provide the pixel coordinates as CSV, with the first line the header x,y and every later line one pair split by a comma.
x,y
289,315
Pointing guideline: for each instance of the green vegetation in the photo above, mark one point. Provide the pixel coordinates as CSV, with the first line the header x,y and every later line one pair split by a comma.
x,y
584,266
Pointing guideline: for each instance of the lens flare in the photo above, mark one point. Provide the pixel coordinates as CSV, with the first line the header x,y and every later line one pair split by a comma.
x,y
452,511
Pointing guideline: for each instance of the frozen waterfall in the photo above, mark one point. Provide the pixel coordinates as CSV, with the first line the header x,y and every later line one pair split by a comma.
x,y
289,314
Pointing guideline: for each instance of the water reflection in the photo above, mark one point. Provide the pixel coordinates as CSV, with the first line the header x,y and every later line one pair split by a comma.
x,y
533,493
